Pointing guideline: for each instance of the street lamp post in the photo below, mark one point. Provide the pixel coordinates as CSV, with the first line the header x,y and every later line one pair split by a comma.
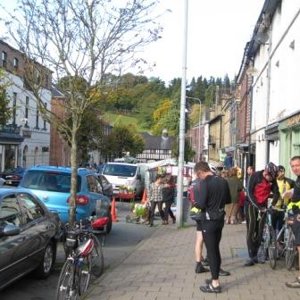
x,y
199,122
179,205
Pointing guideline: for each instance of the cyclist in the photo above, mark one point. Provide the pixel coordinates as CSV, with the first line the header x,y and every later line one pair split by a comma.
x,y
261,185
284,184
294,205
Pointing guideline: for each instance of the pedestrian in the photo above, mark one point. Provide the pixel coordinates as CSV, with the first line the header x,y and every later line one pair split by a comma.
x,y
155,198
261,185
213,195
168,198
235,187
294,205
249,172
284,184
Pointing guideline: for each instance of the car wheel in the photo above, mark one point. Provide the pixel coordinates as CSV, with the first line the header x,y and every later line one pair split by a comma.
x,y
46,265
109,224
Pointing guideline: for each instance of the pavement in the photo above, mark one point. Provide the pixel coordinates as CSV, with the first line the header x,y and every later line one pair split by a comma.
x,y
162,267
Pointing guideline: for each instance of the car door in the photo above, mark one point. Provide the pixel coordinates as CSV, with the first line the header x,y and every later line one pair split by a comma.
x,y
36,226
12,252
22,253
100,202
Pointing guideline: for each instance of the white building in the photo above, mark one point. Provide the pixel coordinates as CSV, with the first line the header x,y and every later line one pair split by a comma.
x,y
275,54
25,140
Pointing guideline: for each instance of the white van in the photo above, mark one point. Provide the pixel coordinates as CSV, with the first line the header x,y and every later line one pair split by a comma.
x,y
121,174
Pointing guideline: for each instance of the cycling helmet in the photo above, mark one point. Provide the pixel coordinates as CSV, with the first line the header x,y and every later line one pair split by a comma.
x,y
272,169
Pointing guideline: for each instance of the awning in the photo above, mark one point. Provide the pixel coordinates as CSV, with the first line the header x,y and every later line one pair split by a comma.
x,y
10,138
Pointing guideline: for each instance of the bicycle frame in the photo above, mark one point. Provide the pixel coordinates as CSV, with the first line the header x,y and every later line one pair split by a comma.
x,y
84,258
286,251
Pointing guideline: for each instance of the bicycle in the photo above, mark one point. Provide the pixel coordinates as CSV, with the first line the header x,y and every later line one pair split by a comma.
x,y
282,244
84,258
268,238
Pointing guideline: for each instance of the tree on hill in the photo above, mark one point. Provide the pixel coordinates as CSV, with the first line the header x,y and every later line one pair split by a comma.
x,y
79,39
121,140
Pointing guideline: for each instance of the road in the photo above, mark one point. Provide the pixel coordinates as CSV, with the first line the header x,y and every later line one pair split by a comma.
x,y
118,245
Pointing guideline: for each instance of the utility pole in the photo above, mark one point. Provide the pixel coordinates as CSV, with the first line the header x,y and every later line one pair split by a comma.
x,y
179,205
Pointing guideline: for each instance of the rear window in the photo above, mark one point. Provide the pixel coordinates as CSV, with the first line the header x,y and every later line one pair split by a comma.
x,y
119,170
49,181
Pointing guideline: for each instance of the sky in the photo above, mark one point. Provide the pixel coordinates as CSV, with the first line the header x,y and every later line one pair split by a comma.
x,y
217,33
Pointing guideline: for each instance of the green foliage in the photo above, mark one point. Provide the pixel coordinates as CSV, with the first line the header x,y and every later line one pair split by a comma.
x,y
5,110
123,139
189,153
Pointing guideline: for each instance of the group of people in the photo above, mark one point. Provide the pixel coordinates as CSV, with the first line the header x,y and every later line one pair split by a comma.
x,y
162,195
212,193
285,194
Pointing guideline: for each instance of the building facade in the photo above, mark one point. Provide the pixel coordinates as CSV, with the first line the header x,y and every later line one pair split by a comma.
x,y
25,140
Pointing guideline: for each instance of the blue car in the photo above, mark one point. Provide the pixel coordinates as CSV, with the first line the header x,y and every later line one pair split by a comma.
x,y
52,185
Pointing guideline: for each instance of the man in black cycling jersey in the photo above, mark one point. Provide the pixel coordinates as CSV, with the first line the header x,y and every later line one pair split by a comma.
x,y
212,199
294,205
261,185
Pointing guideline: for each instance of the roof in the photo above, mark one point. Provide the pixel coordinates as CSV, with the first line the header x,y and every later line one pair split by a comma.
x,y
157,142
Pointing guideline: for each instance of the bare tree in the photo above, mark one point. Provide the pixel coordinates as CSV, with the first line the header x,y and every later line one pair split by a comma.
x,y
81,41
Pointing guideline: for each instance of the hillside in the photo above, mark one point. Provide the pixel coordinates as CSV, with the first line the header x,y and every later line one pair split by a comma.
x,y
119,119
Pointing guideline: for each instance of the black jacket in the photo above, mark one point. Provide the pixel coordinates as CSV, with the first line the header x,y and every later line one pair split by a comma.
x,y
256,179
211,194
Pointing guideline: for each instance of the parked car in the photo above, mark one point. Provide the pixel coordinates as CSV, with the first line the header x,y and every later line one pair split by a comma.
x,y
52,185
127,175
28,236
107,188
12,176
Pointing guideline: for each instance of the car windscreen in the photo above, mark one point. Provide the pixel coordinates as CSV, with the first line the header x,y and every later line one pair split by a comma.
x,y
49,181
119,170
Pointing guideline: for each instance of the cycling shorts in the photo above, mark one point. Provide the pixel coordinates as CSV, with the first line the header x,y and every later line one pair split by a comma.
x,y
199,226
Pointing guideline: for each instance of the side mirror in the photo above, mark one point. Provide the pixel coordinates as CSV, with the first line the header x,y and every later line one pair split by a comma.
x,y
9,230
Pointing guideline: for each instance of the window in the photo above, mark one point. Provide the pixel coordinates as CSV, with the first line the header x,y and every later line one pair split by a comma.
x,y
26,111
10,212
45,122
92,184
4,59
40,180
16,63
37,117
14,108
29,207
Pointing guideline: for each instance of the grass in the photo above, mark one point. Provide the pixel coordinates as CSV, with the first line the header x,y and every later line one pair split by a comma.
x,y
119,119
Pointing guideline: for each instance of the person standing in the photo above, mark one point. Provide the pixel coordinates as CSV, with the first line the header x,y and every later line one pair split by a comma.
x,y
155,198
261,185
212,199
235,187
294,205
168,197
284,184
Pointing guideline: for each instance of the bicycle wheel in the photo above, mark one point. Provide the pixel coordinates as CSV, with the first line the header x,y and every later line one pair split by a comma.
x,y
272,248
66,287
265,241
290,251
97,258
84,274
